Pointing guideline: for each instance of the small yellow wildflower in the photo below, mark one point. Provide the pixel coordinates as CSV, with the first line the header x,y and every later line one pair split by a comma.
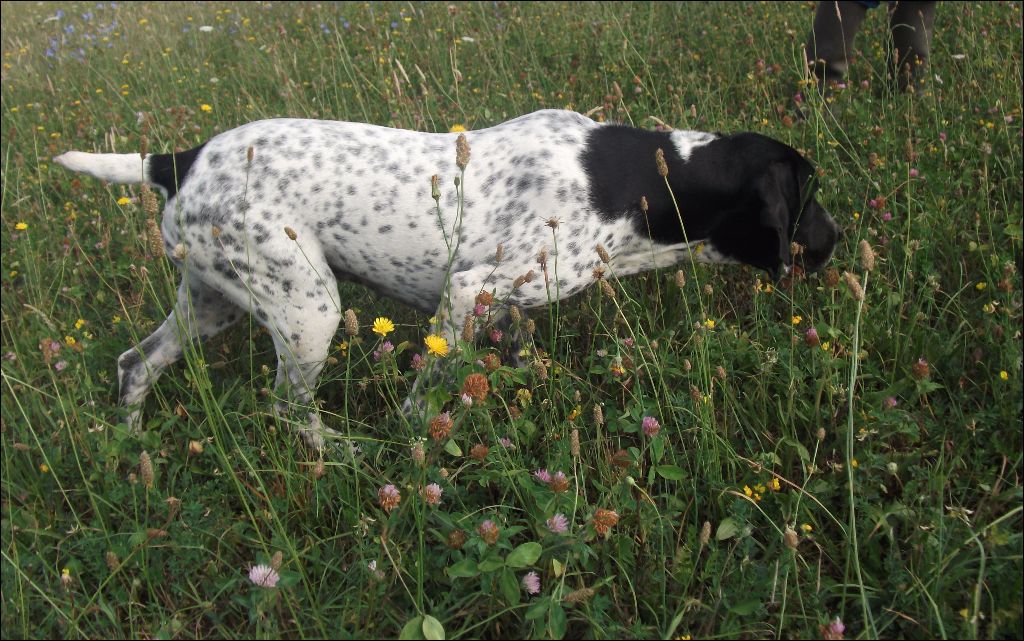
x,y
774,485
981,286
383,326
797,320
747,490
806,527
854,464
205,107
709,324
457,129
116,319
69,340
21,226
79,323
124,200
1004,375
826,346
436,345
575,413
44,468
343,347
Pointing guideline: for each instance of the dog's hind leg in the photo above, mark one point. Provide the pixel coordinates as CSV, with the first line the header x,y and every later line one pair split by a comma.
x,y
200,312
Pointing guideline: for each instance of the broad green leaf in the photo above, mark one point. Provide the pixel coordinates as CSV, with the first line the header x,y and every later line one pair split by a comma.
x,y
509,587
557,622
412,630
657,449
745,608
538,610
453,448
432,628
557,568
492,563
465,568
727,529
524,555
671,472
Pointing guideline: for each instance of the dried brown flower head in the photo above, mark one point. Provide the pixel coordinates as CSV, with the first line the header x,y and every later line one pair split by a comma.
x,y
855,287
476,385
604,520
456,539
461,151
146,469
659,159
491,362
351,323
441,426
867,256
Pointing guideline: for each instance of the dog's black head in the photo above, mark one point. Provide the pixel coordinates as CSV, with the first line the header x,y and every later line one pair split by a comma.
x,y
747,195
778,207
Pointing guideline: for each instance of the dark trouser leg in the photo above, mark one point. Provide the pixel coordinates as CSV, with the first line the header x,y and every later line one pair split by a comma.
x,y
911,24
831,41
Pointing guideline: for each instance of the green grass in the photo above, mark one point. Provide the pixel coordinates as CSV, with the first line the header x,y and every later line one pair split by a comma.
x,y
908,517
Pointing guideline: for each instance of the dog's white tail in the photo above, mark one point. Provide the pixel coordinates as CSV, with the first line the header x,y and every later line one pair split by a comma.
x,y
127,169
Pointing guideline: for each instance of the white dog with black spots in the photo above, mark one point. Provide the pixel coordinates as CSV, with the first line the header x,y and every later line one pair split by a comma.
x,y
356,201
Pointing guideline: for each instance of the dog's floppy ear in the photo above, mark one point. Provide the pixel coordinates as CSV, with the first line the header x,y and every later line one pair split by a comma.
x,y
776,189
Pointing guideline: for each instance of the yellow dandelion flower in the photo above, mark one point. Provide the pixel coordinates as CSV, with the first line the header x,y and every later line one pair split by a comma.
x,y
124,200
457,129
205,107
383,326
436,345
21,226
797,320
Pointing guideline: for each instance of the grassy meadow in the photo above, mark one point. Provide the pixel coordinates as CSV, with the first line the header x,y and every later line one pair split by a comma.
x,y
695,454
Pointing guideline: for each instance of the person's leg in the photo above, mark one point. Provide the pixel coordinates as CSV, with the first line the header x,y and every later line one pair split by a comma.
x,y
911,24
831,41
